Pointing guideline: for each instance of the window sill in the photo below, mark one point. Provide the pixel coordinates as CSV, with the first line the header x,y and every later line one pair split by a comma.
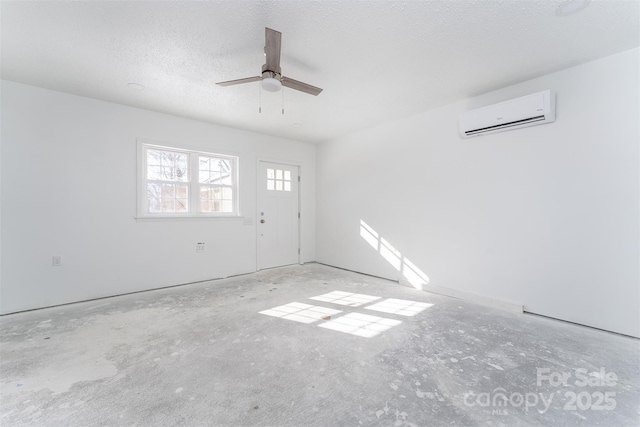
x,y
187,218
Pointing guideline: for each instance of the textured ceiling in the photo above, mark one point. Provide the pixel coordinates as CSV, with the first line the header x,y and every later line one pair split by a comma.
x,y
375,60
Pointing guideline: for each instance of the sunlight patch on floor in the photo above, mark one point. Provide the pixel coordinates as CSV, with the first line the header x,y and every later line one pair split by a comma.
x,y
399,306
362,325
298,312
358,324
345,298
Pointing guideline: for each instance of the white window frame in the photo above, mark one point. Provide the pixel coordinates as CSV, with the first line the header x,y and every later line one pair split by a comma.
x,y
192,181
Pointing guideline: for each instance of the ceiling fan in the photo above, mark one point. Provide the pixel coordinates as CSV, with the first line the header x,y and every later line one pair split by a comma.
x,y
272,79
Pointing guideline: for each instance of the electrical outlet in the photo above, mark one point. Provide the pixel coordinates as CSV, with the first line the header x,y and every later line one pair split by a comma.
x,y
57,260
200,247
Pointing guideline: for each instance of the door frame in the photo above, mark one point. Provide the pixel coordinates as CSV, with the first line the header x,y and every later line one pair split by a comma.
x,y
259,183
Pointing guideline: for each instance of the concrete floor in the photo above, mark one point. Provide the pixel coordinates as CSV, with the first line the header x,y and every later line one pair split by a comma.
x,y
255,350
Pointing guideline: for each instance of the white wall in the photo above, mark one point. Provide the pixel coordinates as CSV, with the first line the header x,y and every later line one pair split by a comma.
x,y
69,188
546,216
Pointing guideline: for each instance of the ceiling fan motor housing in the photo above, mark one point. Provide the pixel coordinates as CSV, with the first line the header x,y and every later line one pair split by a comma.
x,y
274,74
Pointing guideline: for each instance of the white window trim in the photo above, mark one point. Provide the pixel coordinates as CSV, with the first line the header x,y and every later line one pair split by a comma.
x,y
193,214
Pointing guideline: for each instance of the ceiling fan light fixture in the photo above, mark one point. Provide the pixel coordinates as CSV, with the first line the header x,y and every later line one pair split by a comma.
x,y
571,7
135,86
271,84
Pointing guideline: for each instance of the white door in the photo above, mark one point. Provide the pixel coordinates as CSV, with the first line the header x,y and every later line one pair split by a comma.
x,y
278,216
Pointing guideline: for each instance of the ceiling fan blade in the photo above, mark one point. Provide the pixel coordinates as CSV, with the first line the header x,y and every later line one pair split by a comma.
x,y
302,87
272,44
240,81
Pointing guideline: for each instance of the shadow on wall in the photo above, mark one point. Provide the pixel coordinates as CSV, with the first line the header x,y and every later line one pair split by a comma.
x,y
416,277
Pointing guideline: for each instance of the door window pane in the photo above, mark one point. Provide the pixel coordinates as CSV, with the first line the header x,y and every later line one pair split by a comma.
x,y
278,180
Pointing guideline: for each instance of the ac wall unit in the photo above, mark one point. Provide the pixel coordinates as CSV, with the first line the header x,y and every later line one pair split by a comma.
x,y
530,110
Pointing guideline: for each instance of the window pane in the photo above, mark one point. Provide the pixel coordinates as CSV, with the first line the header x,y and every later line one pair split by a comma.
x,y
167,197
215,171
153,198
173,165
209,177
216,199
224,165
182,191
154,157
204,169
270,174
167,174
167,165
278,174
287,175
214,165
174,173
225,179
271,185
182,205
167,205
181,161
210,193
173,159
168,191
154,172
287,186
217,166
278,185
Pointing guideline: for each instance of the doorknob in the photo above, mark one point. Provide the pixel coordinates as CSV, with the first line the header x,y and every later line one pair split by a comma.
x,y
262,221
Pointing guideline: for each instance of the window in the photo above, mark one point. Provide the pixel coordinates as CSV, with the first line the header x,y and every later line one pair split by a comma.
x,y
278,180
181,183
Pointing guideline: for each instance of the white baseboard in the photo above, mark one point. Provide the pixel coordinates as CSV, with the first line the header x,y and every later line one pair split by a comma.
x,y
468,296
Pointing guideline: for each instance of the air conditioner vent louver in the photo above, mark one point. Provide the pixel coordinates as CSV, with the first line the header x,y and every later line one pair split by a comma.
x,y
505,125
530,110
